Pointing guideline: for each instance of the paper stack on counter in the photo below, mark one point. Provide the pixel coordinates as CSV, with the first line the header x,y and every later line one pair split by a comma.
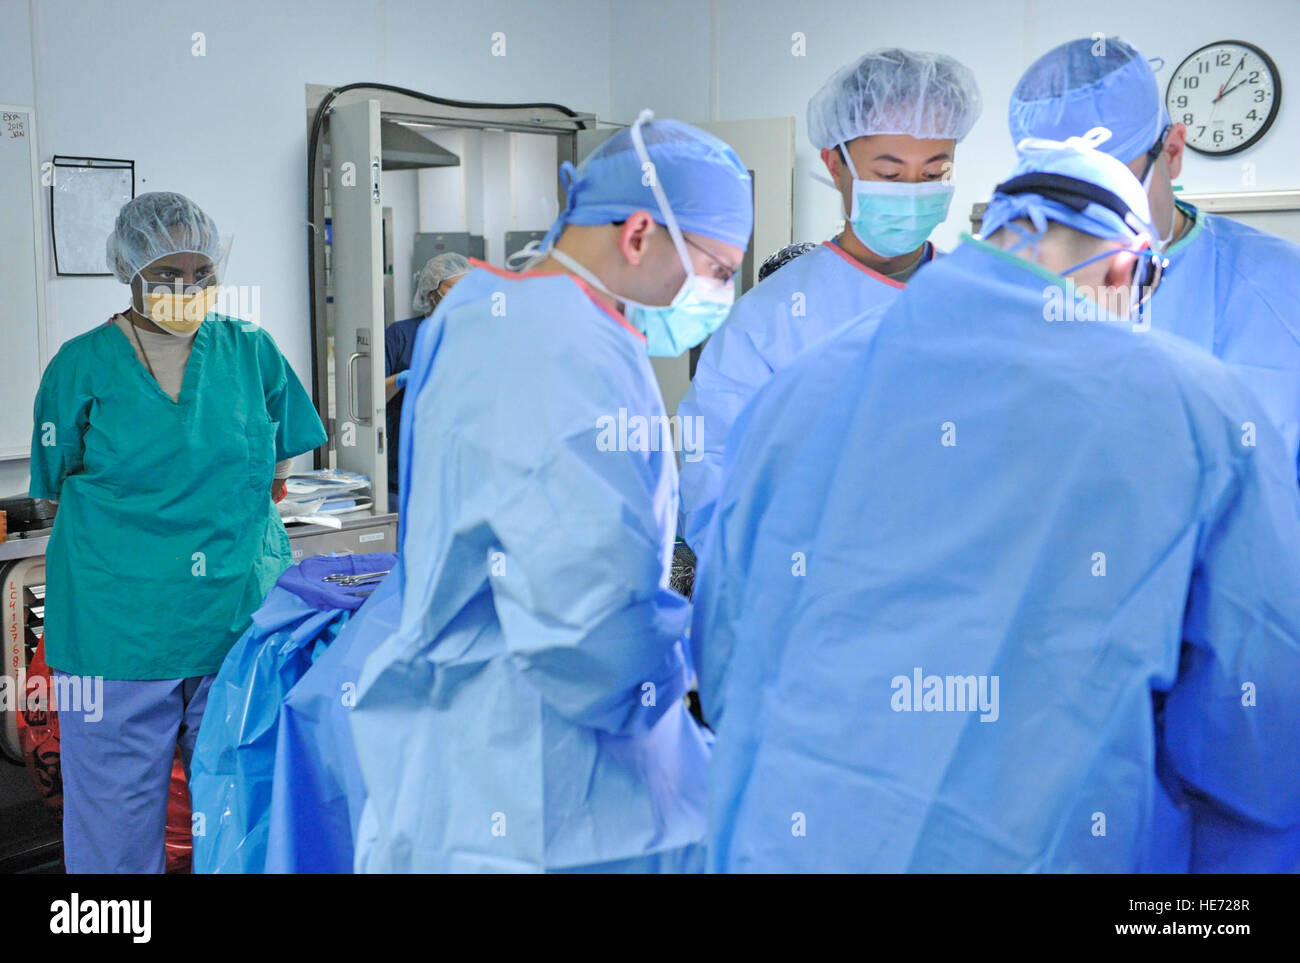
x,y
320,497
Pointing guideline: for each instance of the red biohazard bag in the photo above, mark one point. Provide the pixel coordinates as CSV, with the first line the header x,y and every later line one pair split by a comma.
x,y
180,844
38,731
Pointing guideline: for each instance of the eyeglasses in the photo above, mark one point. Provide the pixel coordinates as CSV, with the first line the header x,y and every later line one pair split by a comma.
x,y
721,272
1155,150
178,284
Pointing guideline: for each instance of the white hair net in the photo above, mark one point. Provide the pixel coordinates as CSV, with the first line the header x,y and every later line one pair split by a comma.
x,y
439,268
892,91
155,225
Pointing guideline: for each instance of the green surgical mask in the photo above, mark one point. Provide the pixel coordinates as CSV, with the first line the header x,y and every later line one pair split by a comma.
x,y
894,218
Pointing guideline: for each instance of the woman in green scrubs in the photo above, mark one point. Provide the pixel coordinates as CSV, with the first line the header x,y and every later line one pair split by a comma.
x,y
158,433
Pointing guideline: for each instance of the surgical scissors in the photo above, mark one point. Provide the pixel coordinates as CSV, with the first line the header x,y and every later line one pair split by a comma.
x,y
367,578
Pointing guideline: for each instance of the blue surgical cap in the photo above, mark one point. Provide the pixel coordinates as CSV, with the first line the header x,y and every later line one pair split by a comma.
x,y
1083,159
707,186
1091,83
156,225
893,91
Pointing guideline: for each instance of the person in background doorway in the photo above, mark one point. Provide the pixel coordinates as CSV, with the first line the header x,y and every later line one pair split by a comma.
x,y
439,274
161,434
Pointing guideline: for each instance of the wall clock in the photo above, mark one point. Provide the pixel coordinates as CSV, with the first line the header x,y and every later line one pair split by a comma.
x,y
1227,93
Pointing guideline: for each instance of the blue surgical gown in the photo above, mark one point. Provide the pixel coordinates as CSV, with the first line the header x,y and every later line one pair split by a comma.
x,y
317,793
1250,280
528,712
1235,290
231,774
1068,511
791,309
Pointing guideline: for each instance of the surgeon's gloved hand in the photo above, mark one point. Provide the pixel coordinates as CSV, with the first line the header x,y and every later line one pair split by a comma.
x,y
402,377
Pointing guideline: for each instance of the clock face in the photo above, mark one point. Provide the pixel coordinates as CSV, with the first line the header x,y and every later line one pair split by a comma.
x,y
1227,93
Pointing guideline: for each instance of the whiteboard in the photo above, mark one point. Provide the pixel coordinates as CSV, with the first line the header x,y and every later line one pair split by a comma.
x,y
22,280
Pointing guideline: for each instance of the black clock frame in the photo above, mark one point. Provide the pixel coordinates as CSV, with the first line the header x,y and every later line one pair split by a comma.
x,y
1277,94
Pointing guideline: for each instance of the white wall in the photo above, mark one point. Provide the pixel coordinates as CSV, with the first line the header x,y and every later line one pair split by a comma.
x,y
701,60
119,79
15,53
533,163
444,191
228,129
402,194
496,200
16,87
505,182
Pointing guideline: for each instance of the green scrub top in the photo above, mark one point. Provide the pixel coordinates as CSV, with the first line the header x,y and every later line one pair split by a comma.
x,y
166,537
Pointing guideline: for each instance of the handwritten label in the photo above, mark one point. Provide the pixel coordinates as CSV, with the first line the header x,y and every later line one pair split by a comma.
x,y
15,125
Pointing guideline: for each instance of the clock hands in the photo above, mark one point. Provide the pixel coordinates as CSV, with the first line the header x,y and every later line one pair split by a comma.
x,y
1222,91
1230,90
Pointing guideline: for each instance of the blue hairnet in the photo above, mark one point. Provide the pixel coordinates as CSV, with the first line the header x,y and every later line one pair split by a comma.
x,y
1082,158
892,91
707,186
437,269
1091,83
155,225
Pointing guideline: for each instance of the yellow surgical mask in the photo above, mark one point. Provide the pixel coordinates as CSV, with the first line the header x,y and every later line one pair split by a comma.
x,y
179,313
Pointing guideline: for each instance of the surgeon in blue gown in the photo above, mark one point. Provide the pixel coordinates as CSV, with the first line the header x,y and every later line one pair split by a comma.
x,y
887,126
1004,585
528,712
1230,288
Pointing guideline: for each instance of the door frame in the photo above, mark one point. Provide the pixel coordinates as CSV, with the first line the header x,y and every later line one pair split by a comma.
x,y
414,109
